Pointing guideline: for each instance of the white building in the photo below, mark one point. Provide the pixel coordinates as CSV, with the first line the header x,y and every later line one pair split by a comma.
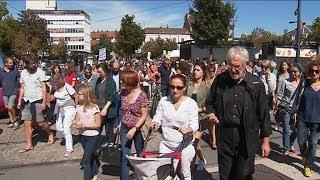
x,y
41,4
74,26
178,35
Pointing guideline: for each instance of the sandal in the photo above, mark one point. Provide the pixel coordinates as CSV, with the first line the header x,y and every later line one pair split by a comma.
x,y
67,153
51,142
25,150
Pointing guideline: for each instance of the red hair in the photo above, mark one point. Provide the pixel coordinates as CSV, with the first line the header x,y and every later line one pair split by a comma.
x,y
130,78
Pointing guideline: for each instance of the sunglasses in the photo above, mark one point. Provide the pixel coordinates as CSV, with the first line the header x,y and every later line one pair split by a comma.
x,y
312,71
176,87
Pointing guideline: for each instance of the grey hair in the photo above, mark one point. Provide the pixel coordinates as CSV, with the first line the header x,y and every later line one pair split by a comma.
x,y
236,52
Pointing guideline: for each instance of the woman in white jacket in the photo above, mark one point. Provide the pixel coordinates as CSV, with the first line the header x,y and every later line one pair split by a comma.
x,y
177,115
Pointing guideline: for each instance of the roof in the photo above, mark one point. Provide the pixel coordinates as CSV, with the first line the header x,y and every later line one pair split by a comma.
x,y
181,31
97,34
62,12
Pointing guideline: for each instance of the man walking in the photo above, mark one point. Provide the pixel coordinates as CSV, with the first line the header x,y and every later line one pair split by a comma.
x,y
32,101
237,103
9,78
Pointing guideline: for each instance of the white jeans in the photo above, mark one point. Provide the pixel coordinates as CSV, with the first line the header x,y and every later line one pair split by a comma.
x,y
187,156
64,125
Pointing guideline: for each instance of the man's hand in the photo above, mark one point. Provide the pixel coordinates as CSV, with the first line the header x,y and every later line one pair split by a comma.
x,y
265,147
213,118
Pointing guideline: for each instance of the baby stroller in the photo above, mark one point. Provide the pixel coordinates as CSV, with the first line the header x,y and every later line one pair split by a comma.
x,y
151,165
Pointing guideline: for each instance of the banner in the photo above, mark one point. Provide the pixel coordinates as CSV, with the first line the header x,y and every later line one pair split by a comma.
x,y
290,52
102,54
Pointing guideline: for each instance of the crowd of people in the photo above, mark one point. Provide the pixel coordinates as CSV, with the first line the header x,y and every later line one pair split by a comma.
x,y
232,102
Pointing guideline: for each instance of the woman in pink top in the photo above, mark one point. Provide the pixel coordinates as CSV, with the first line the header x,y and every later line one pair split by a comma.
x,y
134,113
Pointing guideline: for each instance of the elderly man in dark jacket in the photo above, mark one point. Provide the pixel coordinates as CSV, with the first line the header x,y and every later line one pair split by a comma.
x,y
238,105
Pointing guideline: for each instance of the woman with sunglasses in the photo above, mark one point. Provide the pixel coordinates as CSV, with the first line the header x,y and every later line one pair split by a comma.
x,y
285,96
198,91
306,106
178,116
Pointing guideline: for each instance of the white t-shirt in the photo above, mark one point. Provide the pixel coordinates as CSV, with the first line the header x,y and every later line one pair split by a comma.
x,y
32,84
272,79
88,118
64,94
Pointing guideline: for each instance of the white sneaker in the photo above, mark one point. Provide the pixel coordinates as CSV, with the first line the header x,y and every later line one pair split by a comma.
x,y
201,164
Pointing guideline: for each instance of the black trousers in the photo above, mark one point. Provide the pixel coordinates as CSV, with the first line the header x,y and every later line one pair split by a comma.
x,y
234,163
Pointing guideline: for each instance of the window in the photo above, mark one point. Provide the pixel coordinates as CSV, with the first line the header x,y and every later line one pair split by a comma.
x,y
182,39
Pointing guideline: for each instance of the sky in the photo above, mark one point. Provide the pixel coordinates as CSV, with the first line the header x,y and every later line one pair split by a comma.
x,y
273,15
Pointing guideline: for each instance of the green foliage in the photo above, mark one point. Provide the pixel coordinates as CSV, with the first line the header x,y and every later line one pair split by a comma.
x,y
104,42
212,21
259,36
59,51
9,28
130,37
157,46
315,35
3,9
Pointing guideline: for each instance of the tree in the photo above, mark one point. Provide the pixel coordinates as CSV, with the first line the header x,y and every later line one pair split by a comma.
x,y
258,36
9,28
212,21
157,46
3,9
315,35
130,37
35,30
59,51
104,42
20,45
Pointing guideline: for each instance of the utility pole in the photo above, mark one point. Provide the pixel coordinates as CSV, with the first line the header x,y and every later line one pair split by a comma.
x,y
298,36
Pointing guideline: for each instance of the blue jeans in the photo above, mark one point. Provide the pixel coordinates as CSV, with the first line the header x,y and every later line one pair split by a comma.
x,y
289,131
109,127
126,145
308,135
90,162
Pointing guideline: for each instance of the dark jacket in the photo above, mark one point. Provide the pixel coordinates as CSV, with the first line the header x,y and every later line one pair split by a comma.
x,y
111,95
256,115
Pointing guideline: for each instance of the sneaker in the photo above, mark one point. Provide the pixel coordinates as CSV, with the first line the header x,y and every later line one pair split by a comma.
x,y
304,160
307,172
286,153
10,125
201,164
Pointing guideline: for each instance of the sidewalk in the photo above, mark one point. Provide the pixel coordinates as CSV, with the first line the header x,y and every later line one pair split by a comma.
x,y
12,141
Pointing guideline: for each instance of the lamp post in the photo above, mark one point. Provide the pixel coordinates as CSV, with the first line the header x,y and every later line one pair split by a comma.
x,y
298,38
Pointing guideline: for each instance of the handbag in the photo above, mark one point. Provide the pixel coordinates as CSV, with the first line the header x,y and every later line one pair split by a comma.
x,y
111,154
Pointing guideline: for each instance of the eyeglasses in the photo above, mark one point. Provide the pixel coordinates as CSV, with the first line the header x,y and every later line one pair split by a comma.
x,y
312,71
176,87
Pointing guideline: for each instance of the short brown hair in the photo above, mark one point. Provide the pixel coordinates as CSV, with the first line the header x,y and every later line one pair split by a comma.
x,y
29,59
130,78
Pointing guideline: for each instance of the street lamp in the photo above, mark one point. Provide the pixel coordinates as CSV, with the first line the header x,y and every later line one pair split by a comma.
x,y
298,39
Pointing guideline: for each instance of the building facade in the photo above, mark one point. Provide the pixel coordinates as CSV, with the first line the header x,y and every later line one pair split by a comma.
x,y
73,26
177,35
41,4
95,36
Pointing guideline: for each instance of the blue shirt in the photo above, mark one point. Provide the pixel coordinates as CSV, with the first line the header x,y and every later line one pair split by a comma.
x,y
9,81
309,106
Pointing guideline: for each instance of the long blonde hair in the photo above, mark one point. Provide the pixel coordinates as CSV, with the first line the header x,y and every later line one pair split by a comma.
x,y
89,100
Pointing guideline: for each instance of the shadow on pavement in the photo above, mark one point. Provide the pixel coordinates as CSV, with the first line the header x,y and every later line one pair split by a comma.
x,y
276,155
